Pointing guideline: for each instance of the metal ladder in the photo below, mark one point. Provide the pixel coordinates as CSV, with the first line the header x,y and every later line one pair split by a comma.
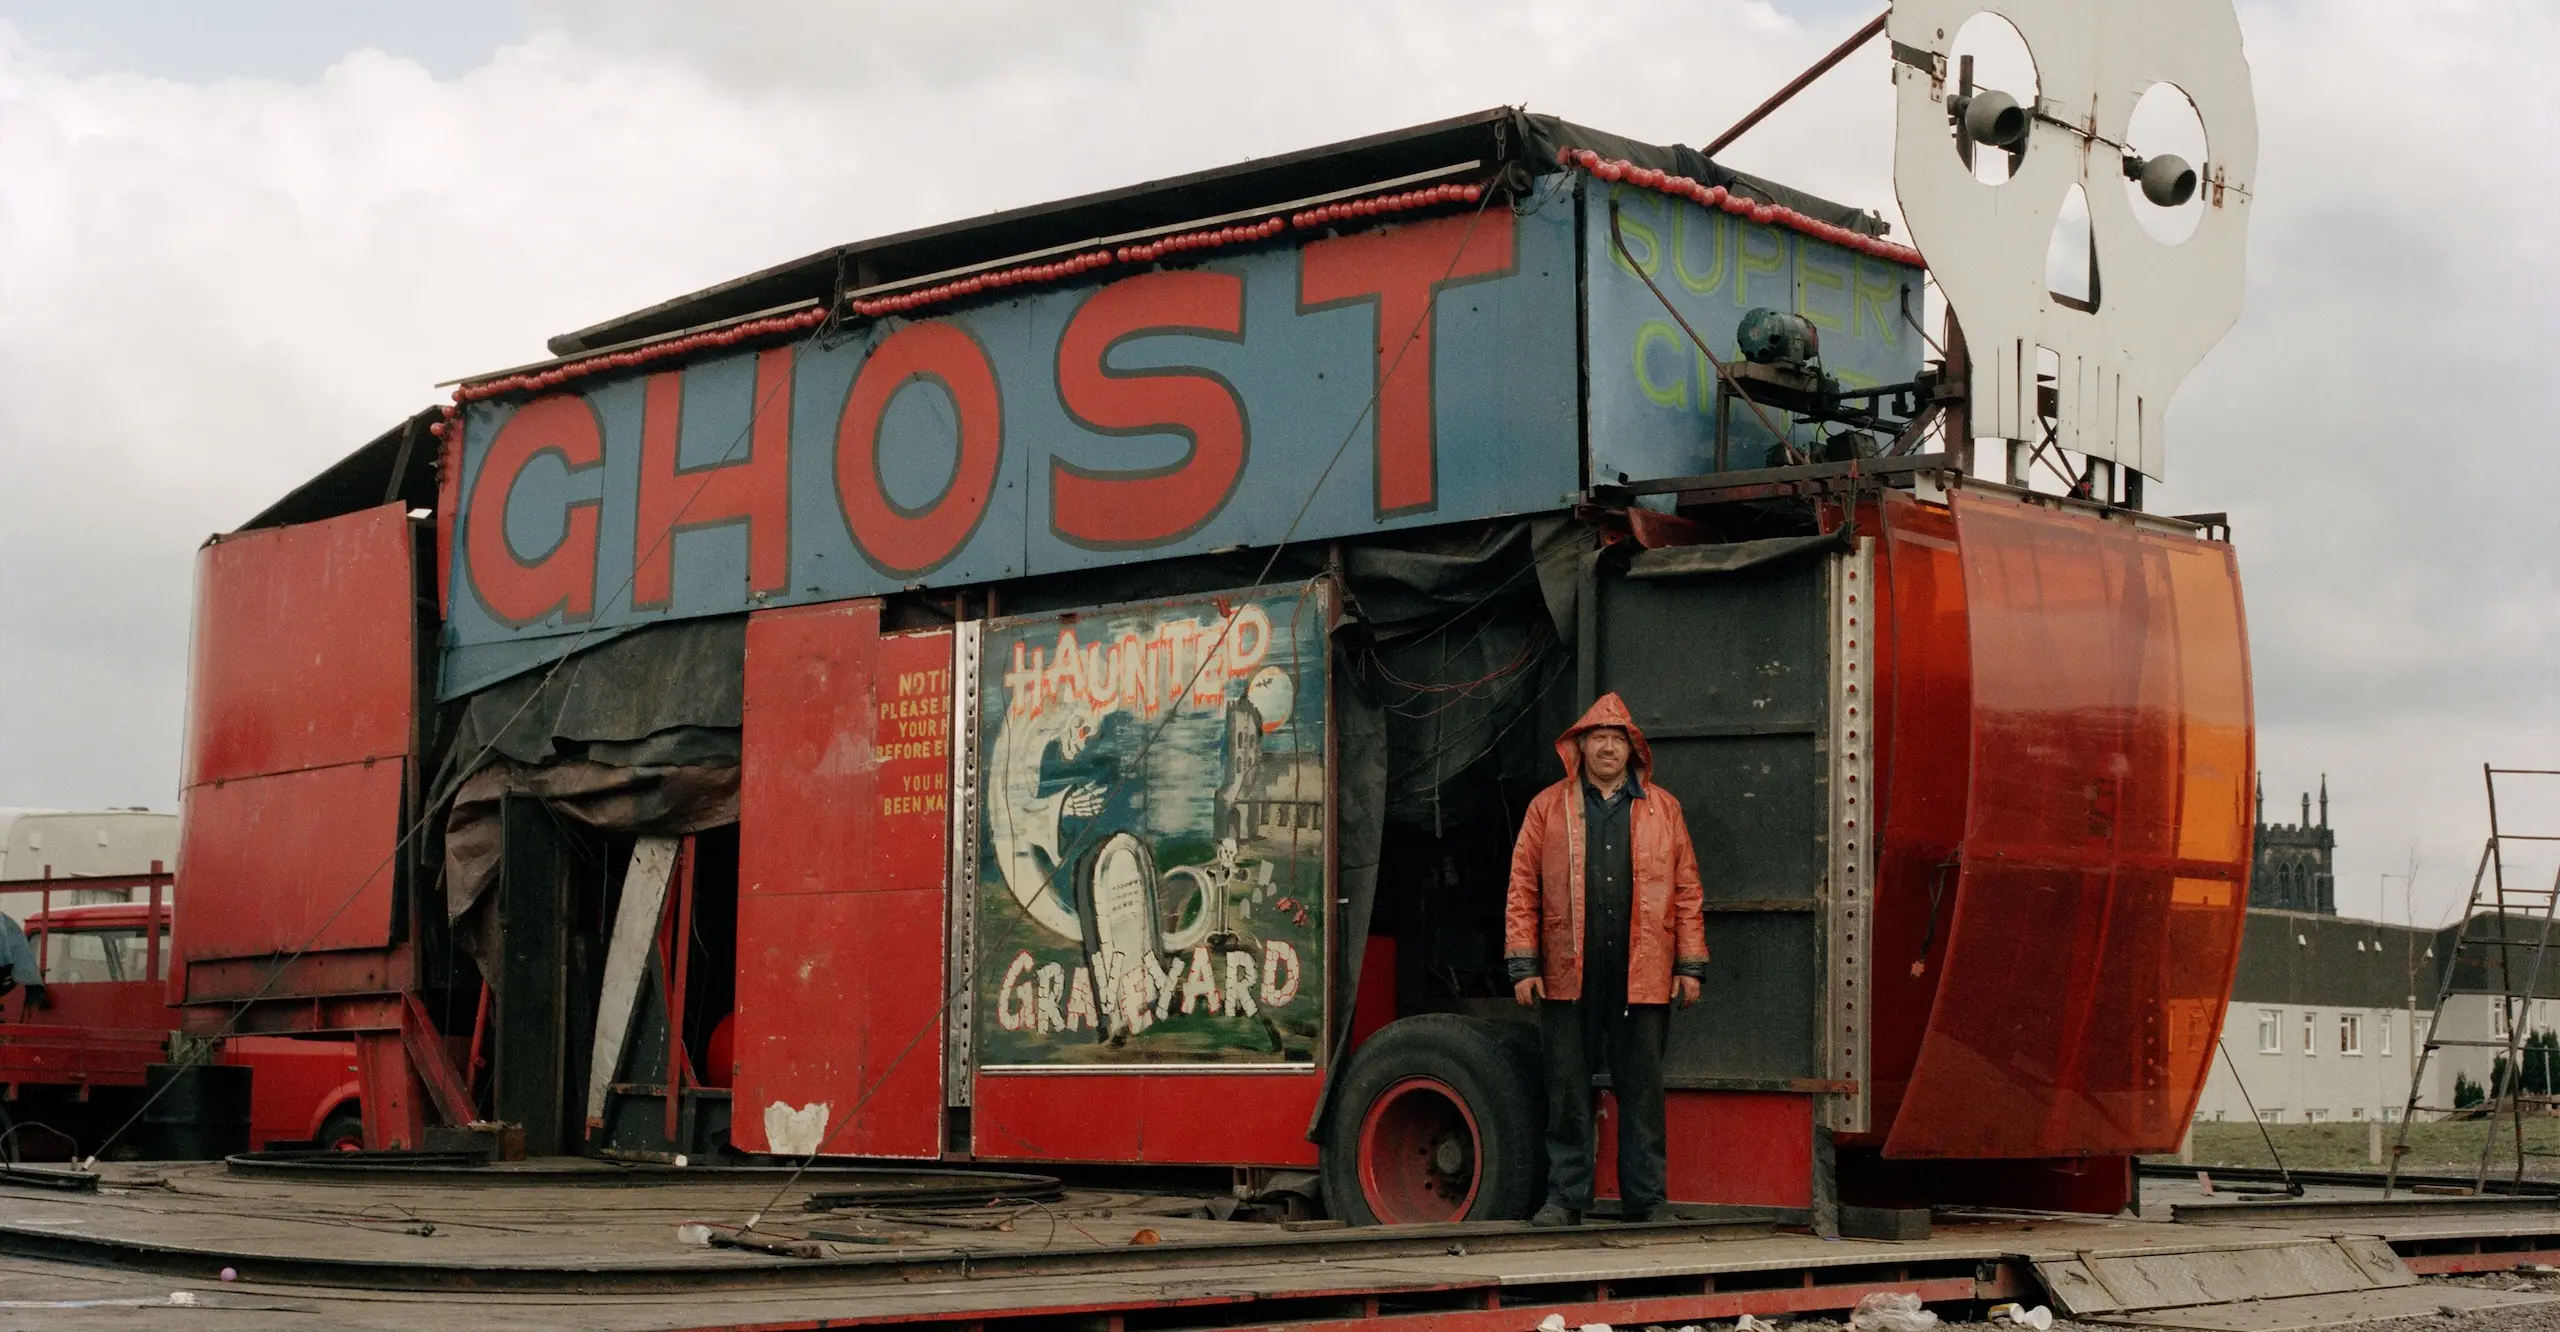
x,y
2505,907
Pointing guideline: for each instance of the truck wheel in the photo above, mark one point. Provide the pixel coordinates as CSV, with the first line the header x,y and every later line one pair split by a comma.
x,y
343,1131
1438,1118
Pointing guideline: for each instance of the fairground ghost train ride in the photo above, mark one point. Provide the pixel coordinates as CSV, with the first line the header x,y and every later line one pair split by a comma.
x,y
1061,688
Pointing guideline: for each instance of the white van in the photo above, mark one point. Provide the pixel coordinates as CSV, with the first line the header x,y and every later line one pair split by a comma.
x,y
70,845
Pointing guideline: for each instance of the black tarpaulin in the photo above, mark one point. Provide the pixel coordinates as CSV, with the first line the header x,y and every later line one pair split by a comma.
x,y
1731,557
637,735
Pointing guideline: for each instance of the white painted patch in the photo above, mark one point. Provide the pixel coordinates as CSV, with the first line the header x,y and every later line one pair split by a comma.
x,y
801,1132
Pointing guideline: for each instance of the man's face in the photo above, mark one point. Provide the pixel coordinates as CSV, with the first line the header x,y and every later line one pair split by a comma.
x,y
1604,753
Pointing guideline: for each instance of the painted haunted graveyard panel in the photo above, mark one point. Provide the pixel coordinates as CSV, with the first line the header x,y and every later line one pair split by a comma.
x,y
1152,821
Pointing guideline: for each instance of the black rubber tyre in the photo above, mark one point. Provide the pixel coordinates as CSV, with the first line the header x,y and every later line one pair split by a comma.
x,y
1438,1118
341,1129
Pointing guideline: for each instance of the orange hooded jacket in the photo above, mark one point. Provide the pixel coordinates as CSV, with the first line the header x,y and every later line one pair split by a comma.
x,y
1543,921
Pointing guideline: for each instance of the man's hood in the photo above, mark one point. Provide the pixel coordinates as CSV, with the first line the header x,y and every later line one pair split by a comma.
x,y
1610,710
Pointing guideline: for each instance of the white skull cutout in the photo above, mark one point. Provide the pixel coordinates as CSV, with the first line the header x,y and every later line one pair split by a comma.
x,y
2161,306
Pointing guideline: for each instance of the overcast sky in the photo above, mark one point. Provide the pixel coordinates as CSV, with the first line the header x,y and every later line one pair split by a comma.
x,y
238,239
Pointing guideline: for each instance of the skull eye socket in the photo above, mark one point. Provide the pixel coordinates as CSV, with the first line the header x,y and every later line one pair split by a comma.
x,y
1989,122
2164,125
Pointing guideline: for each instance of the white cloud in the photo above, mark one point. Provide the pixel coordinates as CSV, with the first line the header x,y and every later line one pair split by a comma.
x,y
208,291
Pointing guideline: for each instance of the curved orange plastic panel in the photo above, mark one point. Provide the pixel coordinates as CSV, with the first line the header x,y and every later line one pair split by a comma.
x,y
2102,883
1924,742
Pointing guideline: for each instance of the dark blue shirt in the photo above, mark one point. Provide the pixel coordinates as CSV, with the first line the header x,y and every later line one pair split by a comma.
x,y
1608,890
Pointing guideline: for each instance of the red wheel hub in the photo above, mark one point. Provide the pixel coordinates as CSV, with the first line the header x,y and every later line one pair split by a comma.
x,y
1421,1155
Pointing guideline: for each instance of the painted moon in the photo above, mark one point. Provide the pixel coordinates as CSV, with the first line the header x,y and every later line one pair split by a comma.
x,y
1270,692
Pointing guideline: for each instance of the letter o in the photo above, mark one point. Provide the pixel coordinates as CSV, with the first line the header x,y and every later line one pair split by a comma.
x,y
901,541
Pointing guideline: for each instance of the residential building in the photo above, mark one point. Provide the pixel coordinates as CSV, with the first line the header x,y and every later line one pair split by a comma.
x,y
2326,1013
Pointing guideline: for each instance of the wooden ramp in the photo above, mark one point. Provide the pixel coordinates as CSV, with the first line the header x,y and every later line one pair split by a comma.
x,y
2263,1286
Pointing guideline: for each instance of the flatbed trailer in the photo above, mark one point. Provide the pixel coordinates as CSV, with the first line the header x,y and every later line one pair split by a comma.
x,y
1060,688
539,1247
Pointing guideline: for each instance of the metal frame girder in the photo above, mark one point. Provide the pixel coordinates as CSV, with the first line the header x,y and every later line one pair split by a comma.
x,y
220,986
1854,820
1462,1307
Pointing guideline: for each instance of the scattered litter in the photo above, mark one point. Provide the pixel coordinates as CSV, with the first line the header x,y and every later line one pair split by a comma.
x,y
693,1232
231,1274
1146,1236
1891,1311
182,1297
1551,1323
1747,1323
2040,1318
777,1248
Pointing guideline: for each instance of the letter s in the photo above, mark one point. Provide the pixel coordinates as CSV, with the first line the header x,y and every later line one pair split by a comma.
x,y
1150,506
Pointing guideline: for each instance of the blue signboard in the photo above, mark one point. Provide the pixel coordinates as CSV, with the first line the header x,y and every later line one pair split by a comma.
x,y
1413,374
1653,397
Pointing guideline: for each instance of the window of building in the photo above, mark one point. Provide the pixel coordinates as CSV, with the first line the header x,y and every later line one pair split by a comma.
x,y
2271,1031
2356,1113
2351,1033
2498,1020
2310,1032
2390,1114
2315,1116
2389,1020
2272,1114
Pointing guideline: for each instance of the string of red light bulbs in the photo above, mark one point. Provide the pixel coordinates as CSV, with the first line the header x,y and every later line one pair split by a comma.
x,y
1615,169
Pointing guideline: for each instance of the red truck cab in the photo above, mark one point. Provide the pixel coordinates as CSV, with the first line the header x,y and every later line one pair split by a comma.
x,y
76,1065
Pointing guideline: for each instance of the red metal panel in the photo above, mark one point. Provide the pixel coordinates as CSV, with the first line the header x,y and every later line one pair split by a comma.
x,y
1253,1119
302,654
299,707
842,828
285,862
2099,906
1754,1148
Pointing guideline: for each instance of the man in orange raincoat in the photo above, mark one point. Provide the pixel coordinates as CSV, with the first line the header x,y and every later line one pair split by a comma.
x,y
1603,929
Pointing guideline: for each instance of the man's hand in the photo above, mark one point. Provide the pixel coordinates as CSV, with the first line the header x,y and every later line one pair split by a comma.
x,y
1529,991
1685,989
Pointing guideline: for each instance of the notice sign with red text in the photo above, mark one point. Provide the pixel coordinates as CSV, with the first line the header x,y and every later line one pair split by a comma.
x,y
1326,385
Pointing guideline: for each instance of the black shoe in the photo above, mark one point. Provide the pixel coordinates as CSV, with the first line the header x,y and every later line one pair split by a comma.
x,y
1555,1214
1657,1212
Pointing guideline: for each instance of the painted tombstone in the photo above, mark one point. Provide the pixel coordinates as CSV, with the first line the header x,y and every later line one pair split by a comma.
x,y
1152,818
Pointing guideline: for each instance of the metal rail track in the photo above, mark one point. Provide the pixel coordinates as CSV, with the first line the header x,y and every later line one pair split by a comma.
x,y
916,1265
2350,1179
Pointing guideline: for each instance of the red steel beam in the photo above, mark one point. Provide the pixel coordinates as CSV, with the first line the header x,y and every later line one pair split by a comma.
x,y
2457,1264
1490,1316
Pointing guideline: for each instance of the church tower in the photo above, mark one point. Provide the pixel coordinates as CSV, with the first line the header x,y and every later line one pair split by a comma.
x,y
2295,868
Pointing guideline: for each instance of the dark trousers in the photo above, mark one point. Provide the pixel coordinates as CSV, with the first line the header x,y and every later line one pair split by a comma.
x,y
1579,1041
